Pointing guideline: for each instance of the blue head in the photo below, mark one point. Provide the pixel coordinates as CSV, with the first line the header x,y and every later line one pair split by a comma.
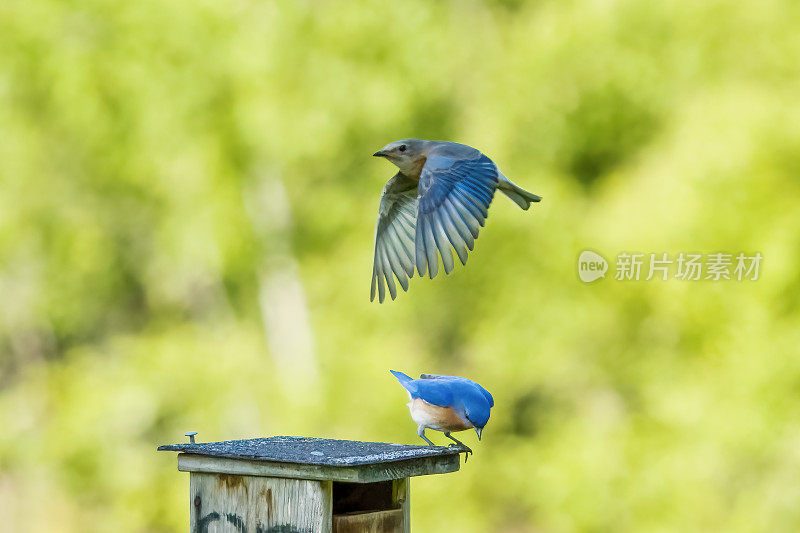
x,y
475,404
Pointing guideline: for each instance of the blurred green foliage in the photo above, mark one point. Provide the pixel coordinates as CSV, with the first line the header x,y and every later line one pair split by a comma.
x,y
187,202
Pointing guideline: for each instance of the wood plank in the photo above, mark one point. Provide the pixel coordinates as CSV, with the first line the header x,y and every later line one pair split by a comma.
x,y
355,474
401,497
390,521
250,504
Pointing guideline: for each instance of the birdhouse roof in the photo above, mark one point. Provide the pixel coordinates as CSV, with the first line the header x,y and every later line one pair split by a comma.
x,y
311,458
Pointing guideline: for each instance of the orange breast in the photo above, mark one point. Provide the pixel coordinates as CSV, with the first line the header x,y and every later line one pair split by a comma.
x,y
435,417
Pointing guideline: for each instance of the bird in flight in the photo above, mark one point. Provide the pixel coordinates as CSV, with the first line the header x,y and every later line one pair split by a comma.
x,y
446,404
437,202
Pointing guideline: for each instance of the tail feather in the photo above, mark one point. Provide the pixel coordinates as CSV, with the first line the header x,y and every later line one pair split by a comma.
x,y
406,381
402,378
518,195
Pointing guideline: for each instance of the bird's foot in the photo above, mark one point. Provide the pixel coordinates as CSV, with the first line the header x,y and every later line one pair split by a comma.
x,y
467,450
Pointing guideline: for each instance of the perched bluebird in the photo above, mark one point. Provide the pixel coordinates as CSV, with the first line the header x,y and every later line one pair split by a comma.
x,y
438,200
446,403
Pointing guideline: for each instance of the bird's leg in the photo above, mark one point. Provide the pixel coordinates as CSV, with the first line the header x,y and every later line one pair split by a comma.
x,y
459,443
421,433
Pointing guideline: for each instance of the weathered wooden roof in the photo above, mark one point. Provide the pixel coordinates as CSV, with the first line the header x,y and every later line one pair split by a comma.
x,y
310,458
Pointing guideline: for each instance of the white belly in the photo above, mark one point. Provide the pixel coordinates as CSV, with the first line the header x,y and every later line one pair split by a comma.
x,y
421,416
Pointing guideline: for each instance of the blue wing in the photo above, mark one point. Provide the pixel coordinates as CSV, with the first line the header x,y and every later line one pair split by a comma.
x,y
454,198
434,393
486,394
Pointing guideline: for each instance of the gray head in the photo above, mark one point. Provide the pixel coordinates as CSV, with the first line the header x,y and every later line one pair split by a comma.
x,y
407,154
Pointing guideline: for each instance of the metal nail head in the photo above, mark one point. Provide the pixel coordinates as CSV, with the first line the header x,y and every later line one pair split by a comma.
x,y
191,435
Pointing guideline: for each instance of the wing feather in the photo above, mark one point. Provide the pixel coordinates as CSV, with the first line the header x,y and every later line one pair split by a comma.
x,y
402,250
394,237
464,230
453,236
455,195
442,243
429,246
387,272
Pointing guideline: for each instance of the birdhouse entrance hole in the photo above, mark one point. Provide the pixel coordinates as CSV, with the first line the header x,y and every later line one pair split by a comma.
x,y
362,497
378,506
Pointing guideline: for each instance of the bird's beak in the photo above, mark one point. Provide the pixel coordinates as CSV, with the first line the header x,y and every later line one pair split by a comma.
x,y
479,431
379,153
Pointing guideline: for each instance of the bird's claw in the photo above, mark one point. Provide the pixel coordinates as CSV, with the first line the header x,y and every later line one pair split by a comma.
x,y
467,450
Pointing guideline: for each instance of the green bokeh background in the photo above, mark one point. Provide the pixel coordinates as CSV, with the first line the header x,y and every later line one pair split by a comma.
x,y
187,206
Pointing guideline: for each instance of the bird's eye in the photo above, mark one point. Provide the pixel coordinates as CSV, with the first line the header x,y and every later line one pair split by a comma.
x,y
402,148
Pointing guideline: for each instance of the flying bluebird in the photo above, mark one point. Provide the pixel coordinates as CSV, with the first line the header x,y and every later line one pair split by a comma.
x,y
446,403
438,200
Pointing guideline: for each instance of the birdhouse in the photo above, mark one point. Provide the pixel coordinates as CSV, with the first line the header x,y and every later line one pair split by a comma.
x,y
305,485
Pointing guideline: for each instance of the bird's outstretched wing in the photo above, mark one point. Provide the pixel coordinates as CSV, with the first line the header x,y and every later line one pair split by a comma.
x,y
454,198
394,236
